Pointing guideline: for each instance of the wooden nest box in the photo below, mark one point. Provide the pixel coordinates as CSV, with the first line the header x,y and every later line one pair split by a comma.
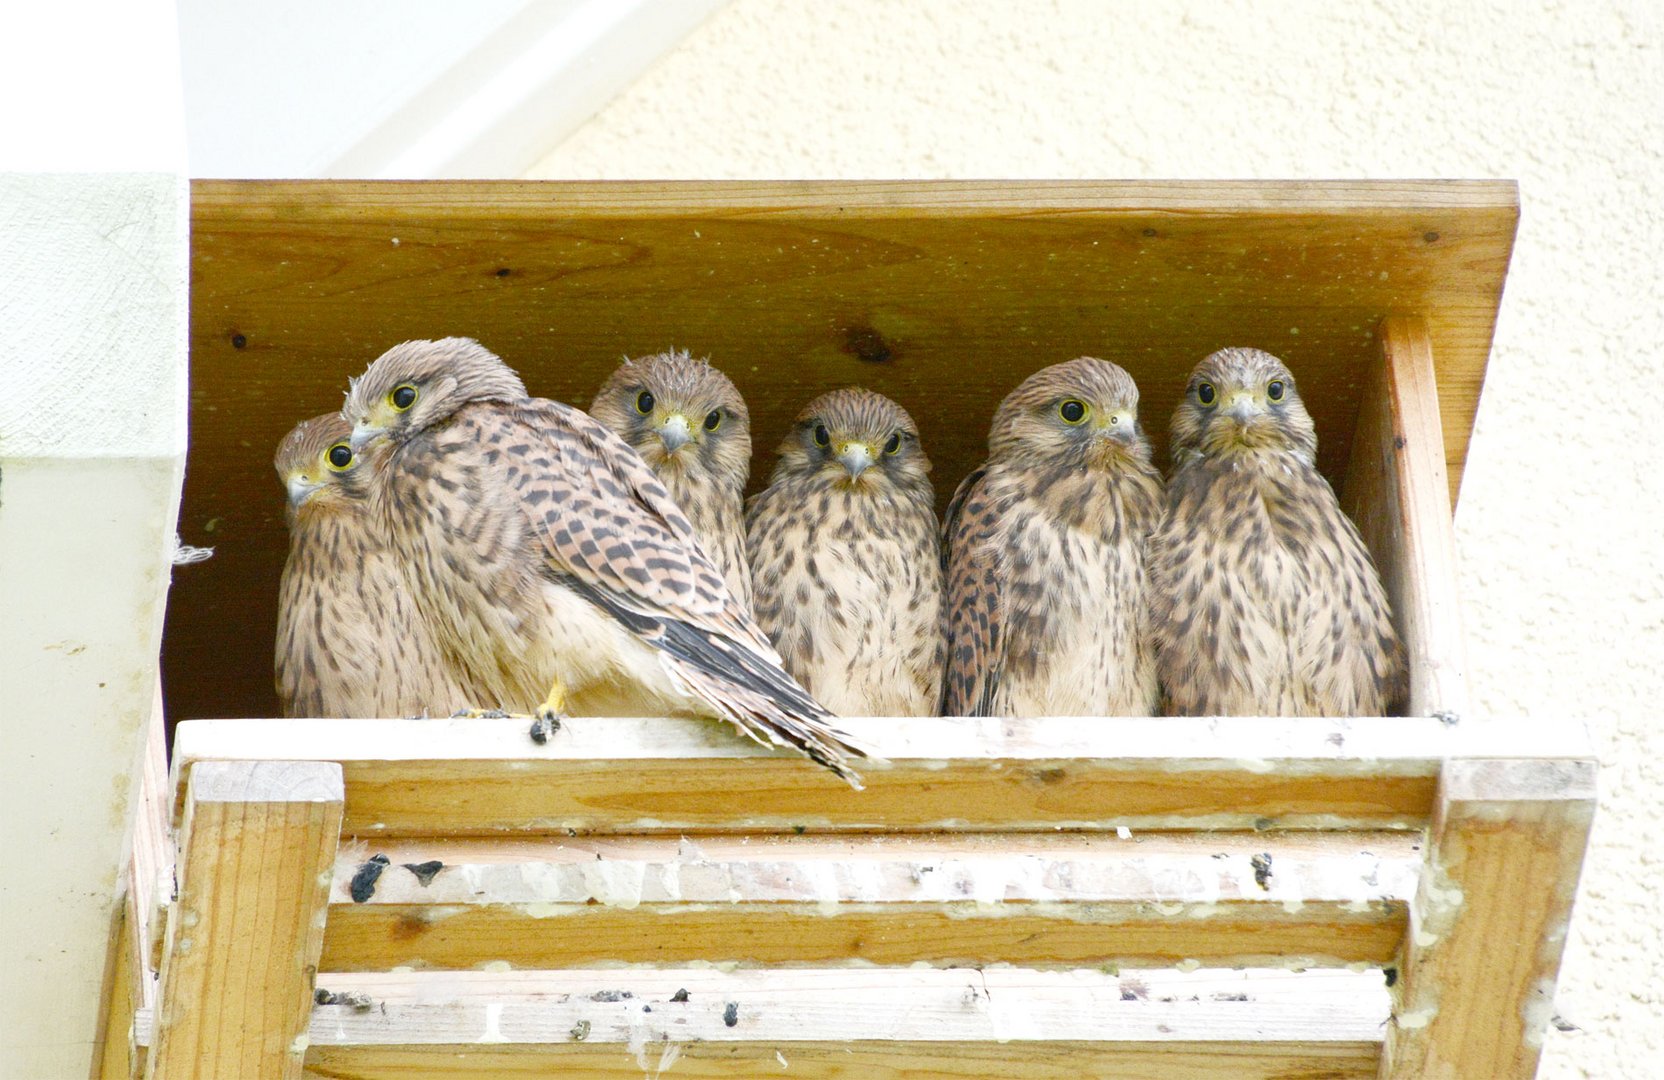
x,y
1008,898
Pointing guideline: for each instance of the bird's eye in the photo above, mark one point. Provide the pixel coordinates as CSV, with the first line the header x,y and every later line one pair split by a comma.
x,y
339,456
1073,411
894,445
1205,393
645,402
822,436
713,419
402,397
1274,392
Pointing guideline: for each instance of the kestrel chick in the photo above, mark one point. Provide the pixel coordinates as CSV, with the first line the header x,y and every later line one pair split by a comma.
x,y
545,556
1045,554
349,641
688,422
1264,599
847,561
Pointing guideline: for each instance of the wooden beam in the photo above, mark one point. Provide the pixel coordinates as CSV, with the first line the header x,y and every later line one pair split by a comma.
x,y
1398,492
1490,920
244,934
479,777
887,1023
1291,899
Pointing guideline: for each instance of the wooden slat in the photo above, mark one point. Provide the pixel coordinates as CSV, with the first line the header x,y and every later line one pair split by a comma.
x,y
477,777
1298,899
1490,920
1396,491
943,295
1003,1022
243,937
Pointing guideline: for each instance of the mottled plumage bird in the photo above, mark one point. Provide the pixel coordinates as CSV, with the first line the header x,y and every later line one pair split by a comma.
x,y
688,422
1045,554
844,547
1264,598
349,640
545,556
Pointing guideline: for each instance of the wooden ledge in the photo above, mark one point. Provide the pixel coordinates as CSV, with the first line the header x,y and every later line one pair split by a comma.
x,y
1288,899
876,1022
483,777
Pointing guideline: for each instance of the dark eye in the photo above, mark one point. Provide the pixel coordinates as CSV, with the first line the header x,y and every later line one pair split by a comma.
x,y
402,397
713,419
822,436
1073,411
1205,393
644,403
339,455
1274,392
893,445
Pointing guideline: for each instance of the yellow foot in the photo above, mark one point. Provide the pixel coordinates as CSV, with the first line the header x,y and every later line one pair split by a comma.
x,y
549,714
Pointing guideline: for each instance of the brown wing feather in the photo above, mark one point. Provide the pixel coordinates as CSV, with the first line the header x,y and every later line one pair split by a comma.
x,y
612,530
974,642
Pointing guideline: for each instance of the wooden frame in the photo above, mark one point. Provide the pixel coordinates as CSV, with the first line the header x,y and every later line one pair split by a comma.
x,y
1034,898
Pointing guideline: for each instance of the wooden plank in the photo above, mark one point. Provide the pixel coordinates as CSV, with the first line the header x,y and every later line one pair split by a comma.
x,y
1297,899
1490,920
244,934
1003,1022
1396,490
943,295
477,777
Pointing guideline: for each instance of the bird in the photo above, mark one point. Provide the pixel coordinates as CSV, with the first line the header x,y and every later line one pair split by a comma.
x,y
1264,599
688,422
350,642
545,556
844,547
1044,548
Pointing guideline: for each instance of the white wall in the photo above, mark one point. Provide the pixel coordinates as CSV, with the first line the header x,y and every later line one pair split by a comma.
x,y
93,211
1560,517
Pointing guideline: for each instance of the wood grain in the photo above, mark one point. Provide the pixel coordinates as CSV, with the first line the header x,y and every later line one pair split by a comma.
x,y
1396,492
942,295
243,937
1490,920
1003,1022
479,777
1037,901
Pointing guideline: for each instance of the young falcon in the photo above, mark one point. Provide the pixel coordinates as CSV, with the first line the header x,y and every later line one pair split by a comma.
x,y
1264,598
349,641
844,548
545,556
1045,554
688,422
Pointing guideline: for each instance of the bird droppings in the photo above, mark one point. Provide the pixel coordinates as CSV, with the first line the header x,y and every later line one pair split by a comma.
x,y
357,1000
731,1013
580,1031
239,341
610,995
542,728
800,829
1262,870
680,995
1261,824
503,271
1562,1024
363,884
425,871
1391,975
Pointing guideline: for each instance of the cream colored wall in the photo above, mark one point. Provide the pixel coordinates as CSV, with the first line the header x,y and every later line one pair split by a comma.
x,y
1560,514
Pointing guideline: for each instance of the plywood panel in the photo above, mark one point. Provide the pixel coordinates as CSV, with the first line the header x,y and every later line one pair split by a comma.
x,y
943,295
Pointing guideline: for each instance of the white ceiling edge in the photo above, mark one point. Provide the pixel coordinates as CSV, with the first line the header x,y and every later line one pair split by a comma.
x,y
527,86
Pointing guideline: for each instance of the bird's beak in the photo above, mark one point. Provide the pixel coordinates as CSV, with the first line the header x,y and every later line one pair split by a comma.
x,y
300,488
1120,425
856,457
362,433
1241,406
674,432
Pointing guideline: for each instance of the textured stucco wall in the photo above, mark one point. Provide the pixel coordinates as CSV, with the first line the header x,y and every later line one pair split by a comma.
x,y
1560,517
